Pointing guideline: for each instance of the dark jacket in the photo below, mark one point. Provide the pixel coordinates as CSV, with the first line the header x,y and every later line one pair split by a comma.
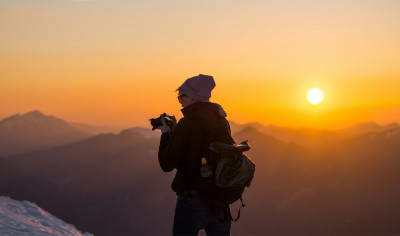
x,y
184,147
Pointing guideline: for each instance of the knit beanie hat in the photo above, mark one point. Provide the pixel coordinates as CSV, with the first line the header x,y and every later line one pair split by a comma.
x,y
199,87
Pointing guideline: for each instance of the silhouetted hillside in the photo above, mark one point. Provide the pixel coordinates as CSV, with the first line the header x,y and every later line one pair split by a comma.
x,y
112,184
106,183
369,127
349,188
35,131
313,138
94,130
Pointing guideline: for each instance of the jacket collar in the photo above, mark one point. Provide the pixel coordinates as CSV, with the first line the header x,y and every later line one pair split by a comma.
x,y
198,106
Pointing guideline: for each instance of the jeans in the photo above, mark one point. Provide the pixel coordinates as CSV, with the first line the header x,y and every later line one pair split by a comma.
x,y
194,214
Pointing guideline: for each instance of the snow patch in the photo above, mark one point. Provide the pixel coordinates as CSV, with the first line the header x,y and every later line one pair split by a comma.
x,y
26,218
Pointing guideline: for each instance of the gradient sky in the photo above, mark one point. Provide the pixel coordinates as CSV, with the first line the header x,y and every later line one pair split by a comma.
x,y
114,62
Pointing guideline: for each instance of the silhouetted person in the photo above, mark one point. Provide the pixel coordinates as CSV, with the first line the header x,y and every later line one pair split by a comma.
x,y
181,147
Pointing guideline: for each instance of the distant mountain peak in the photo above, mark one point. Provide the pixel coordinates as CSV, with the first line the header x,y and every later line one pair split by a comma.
x,y
365,124
372,124
34,130
34,113
249,130
368,127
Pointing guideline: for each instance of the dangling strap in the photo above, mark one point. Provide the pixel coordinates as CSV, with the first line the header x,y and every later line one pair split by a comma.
x,y
237,218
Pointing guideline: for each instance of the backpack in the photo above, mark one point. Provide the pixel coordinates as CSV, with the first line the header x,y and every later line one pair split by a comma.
x,y
232,171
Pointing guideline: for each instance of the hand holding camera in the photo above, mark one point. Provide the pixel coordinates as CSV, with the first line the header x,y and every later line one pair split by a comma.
x,y
165,123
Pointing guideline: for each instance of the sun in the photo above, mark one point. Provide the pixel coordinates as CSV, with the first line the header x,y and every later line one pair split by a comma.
x,y
315,96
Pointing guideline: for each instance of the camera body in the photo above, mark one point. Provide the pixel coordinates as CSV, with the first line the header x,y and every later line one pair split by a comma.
x,y
156,122
243,146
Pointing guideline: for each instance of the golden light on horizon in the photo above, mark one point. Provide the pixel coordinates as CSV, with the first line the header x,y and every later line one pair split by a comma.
x,y
117,63
315,96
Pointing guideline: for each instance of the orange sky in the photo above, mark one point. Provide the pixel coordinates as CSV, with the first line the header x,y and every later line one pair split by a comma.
x,y
119,62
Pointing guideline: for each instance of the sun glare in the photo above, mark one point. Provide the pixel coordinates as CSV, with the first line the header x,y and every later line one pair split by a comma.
x,y
315,96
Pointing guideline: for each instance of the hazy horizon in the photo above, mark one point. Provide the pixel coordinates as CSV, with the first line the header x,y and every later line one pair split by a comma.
x,y
146,124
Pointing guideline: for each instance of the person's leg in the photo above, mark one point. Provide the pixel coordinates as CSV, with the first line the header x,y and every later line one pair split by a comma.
x,y
190,214
219,221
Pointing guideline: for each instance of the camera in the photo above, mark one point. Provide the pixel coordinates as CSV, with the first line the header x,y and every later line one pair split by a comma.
x,y
156,122
243,146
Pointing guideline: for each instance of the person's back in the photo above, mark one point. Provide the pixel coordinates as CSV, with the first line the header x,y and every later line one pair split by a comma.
x,y
181,147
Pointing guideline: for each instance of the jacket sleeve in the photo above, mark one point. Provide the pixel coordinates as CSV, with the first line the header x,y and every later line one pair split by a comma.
x,y
172,146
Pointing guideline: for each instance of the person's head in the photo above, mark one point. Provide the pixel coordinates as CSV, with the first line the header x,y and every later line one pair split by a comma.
x,y
184,99
196,89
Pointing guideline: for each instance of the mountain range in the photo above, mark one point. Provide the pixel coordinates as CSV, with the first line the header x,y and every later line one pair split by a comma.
x,y
307,181
314,138
35,131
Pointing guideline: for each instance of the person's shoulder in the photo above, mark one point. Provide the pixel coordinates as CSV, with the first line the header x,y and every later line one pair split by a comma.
x,y
185,122
190,124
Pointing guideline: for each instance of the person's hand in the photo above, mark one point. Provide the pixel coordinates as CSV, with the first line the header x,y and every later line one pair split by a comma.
x,y
164,127
173,123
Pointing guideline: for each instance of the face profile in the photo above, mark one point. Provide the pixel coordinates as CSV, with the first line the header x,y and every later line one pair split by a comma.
x,y
185,100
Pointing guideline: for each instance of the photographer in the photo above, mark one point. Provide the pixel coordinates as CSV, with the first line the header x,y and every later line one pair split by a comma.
x,y
181,147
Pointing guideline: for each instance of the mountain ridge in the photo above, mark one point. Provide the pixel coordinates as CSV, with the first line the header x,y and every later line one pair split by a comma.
x,y
304,188
34,131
